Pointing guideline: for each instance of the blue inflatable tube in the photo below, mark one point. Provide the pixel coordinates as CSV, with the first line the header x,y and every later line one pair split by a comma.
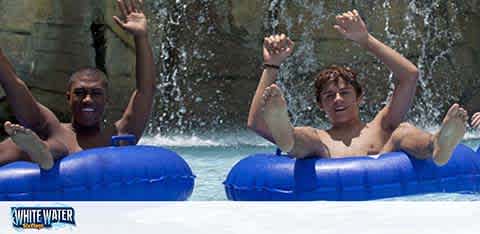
x,y
130,173
264,177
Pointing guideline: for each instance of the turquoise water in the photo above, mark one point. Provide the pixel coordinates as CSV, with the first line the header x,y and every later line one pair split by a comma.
x,y
212,157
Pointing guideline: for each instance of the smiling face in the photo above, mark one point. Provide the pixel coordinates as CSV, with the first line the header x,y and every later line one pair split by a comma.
x,y
338,94
87,99
340,101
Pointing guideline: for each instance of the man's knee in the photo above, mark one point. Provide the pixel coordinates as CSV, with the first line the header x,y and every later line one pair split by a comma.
x,y
407,134
9,152
58,148
412,139
403,130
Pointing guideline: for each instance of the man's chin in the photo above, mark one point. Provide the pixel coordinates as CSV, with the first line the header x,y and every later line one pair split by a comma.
x,y
341,120
88,124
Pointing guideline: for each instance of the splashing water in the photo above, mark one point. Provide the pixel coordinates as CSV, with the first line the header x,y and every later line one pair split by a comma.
x,y
421,34
177,48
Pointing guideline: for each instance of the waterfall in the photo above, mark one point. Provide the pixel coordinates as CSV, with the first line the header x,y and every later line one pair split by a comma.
x,y
437,39
176,56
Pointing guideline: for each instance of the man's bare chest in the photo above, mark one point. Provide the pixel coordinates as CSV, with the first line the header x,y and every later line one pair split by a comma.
x,y
87,141
100,140
368,142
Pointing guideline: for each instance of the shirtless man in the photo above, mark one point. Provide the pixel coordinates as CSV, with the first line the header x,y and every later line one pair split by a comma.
x,y
339,95
41,138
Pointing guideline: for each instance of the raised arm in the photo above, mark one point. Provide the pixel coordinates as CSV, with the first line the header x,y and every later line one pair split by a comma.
x,y
136,114
351,25
24,106
276,49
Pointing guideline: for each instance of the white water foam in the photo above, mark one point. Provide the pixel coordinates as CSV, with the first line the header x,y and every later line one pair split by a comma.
x,y
242,138
221,140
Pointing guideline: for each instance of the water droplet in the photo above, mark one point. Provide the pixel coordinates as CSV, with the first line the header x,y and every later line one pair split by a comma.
x,y
201,19
182,110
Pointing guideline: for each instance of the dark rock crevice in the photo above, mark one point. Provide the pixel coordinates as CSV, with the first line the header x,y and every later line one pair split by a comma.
x,y
99,44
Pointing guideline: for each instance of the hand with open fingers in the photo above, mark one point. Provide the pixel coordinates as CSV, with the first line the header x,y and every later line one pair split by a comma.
x,y
276,49
351,26
475,120
134,20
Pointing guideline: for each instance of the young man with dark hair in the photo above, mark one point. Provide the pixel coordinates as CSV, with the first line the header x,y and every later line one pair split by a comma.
x,y
339,94
41,138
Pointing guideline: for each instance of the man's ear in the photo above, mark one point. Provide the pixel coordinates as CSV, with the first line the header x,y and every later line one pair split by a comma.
x,y
68,95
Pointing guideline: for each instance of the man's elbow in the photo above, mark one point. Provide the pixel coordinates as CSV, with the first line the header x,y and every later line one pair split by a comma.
x,y
413,74
251,124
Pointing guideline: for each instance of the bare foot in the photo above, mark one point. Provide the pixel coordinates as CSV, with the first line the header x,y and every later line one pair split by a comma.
x,y
28,141
276,116
452,131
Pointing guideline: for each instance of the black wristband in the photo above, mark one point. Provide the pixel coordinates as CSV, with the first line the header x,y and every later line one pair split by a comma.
x,y
266,65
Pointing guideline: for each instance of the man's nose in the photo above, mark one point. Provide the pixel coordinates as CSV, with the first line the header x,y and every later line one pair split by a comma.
x,y
338,97
87,98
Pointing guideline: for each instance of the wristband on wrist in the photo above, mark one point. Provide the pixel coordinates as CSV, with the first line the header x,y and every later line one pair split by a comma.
x,y
266,65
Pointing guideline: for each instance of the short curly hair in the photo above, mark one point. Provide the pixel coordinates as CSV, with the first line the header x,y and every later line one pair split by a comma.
x,y
90,72
334,73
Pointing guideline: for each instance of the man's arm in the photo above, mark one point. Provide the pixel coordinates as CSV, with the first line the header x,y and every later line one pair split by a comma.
x,y
24,106
272,55
136,114
351,25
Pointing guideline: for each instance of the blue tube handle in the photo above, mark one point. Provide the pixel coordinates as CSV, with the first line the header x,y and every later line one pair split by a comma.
x,y
131,139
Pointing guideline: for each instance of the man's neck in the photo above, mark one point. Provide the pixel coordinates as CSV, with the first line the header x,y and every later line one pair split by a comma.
x,y
86,130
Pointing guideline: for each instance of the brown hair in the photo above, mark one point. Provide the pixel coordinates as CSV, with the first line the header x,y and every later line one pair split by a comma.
x,y
335,73
90,72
